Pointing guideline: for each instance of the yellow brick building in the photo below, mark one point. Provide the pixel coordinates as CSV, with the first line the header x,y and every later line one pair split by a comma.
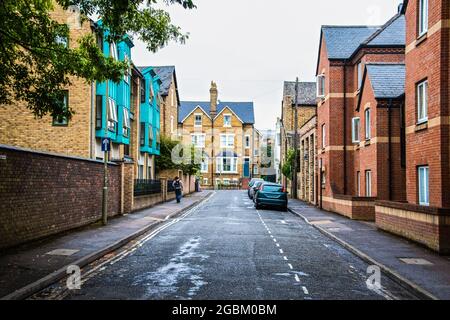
x,y
224,134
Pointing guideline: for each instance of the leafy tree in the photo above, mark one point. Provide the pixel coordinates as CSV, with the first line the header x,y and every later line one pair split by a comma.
x,y
289,164
35,65
164,161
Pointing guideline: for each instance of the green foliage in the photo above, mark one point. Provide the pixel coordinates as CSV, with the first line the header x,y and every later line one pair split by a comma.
x,y
164,161
35,67
288,166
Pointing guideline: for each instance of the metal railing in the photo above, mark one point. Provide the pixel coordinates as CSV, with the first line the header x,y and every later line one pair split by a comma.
x,y
146,187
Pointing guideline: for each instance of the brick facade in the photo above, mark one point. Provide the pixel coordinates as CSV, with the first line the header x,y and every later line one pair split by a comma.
x,y
19,127
427,142
43,194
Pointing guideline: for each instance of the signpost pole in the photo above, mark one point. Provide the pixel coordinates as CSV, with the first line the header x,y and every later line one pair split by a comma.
x,y
105,184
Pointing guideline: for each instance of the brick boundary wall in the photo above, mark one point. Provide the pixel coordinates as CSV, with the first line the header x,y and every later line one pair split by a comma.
x,y
425,225
42,194
356,208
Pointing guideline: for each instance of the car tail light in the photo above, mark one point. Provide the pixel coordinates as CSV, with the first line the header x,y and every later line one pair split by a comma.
x,y
283,189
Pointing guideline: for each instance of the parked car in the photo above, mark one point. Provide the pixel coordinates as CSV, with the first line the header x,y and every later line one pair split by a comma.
x,y
250,187
255,188
271,194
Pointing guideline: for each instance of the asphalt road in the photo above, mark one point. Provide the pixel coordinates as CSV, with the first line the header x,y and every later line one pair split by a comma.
x,y
226,249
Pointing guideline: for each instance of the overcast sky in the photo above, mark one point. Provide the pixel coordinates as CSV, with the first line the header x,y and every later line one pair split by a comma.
x,y
249,47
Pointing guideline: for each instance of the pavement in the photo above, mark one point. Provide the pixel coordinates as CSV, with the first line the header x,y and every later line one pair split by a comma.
x,y
412,265
29,268
225,249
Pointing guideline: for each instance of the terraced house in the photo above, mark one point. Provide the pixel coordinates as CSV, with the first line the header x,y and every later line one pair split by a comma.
x,y
425,215
224,133
360,75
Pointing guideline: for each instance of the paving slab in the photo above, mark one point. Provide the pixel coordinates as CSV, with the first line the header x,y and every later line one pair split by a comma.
x,y
420,266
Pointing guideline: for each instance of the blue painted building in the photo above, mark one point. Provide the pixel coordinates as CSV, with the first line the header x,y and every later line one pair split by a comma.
x,y
150,112
113,100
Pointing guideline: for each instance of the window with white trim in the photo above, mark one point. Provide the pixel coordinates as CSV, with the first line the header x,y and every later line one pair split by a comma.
x,y
355,129
198,140
368,183
255,170
126,75
172,119
423,17
423,185
422,102
227,141
367,120
204,165
113,50
360,74
324,136
226,164
247,142
112,115
321,86
150,136
358,183
126,122
198,120
227,120
205,181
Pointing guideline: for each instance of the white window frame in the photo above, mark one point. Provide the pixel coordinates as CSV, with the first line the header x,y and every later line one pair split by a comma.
x,y
205,181
225,124
204,166
200,140
423,17
64,41
423,177
255,170
368,175
422,102
247,142
195,120
324,136
356,122
321,86
367,123
233,165
126,121
113,50
358,183
229,141
360,75
112,114
172,124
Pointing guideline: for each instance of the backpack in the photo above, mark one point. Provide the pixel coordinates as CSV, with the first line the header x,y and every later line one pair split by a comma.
x,y
177,185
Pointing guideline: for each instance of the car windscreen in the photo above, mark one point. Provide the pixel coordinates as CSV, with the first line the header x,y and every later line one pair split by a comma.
x,y
269,188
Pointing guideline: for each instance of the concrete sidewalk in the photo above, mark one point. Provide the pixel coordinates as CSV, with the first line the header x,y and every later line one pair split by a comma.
x,y
29,268
414,266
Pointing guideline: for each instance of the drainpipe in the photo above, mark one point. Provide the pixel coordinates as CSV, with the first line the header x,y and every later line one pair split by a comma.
x,y
390,148
93,121
345,127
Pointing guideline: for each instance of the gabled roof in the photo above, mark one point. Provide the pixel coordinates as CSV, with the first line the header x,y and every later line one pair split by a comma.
x,y
342,41
388,80
244,110
165,73
393,33
307,92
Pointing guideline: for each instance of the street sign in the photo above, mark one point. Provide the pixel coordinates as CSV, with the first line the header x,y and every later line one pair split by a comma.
x,y
106,144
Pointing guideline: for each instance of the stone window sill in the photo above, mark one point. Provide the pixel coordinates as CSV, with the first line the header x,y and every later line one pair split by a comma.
x,y
421,126
421,39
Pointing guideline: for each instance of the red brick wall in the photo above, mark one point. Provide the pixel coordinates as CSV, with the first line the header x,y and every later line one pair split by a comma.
x,y
428,58
42,194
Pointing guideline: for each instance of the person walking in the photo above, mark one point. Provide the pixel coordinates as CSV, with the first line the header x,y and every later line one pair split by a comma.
x,y
178,186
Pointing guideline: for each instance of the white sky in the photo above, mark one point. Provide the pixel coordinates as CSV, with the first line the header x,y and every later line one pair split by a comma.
x,y
249,47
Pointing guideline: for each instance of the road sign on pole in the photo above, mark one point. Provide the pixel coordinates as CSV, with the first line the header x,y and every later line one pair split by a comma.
x,y
106,144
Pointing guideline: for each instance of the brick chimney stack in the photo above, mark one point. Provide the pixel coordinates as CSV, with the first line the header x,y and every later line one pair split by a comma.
x,y
214,94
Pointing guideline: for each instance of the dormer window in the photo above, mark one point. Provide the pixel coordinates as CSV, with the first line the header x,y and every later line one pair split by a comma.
x,y
198,120
321,86
227,120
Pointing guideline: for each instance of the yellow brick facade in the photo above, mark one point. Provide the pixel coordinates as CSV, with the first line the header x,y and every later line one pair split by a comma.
x,y
19,127
169,111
